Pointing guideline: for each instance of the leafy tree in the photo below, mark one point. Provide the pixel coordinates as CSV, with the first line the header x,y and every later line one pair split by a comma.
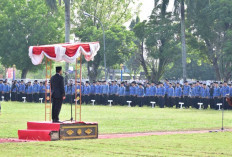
x,y
179,10
53,5
119,46
23,24
111,13
161,38
210,21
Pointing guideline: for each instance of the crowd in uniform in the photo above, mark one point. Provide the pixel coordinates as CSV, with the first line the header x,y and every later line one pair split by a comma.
x,y
165,94
19,89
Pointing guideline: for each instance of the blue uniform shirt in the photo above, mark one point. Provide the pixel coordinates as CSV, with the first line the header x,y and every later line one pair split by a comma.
x,y
97,89
115,89
186,90
153,90
36,88
205,92
140,92
225,90
6,88
230,91
132,90
1,87
160,91
197,90
216,92
86,90
121,91
148,91
105,89
92,89
170,92
178,92
21,88
29,89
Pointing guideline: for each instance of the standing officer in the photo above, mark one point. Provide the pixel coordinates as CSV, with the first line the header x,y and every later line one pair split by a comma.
x,y
58,94
92,91
105,92
186,93
197,94
21,91
153,92
216,95
1,89
147,97
205,96
133,94
211,100
98,92
35,91
170,95
86,93
177,94
225,91
6,91
140,95
29,92
14,89
161,95
115,92
121,94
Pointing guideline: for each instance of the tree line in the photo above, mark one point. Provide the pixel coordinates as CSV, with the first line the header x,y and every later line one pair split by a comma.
x,y
191,41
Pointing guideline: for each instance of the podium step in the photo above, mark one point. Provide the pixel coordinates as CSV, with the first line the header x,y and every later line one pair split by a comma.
x,y
38,135
43,126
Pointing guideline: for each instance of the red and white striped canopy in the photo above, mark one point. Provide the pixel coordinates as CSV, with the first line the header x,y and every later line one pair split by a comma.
x,y
63,52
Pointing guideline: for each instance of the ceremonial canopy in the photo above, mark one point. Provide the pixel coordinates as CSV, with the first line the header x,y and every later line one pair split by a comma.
x,y
71,53
63,52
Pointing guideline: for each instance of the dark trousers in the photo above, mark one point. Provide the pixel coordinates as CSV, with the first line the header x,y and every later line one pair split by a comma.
x,y
122,100
211,103
177,100
29,98
205,102
170,102
13,96
6,96
104,99
161,101
20,95
36,97
56,107
166,100
186,101
140,101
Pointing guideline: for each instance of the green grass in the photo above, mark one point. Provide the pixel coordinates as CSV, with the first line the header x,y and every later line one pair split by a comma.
x,y
116,119
208,144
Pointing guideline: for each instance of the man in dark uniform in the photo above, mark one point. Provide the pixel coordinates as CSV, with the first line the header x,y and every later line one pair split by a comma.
x,y
58,94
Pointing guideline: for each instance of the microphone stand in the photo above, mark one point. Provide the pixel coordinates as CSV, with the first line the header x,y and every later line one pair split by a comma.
x,y
71,104
222,113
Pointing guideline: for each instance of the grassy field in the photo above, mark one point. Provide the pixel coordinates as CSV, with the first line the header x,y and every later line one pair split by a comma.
x,y
121,120
209,144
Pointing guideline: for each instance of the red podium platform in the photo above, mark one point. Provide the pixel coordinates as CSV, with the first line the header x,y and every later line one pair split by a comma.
x,y
48,131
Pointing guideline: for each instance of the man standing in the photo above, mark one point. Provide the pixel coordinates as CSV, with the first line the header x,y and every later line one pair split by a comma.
x,y
186,93
178,94
58,94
